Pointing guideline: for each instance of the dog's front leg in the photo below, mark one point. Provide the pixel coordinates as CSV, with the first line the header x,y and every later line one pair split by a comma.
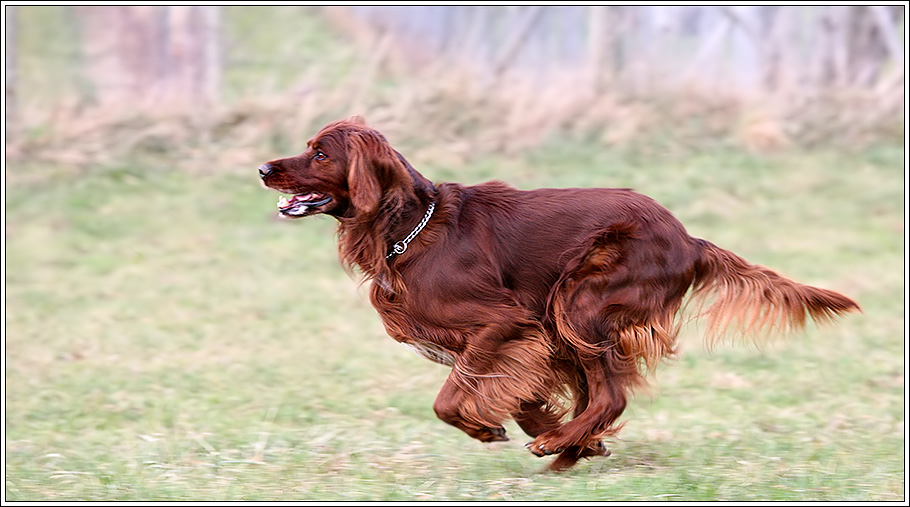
x,y
457,404
504,366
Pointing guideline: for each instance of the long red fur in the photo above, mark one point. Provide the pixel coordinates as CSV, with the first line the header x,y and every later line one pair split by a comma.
x,y
549,305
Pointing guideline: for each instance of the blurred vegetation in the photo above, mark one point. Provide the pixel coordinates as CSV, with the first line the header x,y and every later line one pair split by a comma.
x,y
167,339
282,72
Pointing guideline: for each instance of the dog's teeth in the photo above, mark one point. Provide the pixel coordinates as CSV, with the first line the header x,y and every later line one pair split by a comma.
x,y
283,202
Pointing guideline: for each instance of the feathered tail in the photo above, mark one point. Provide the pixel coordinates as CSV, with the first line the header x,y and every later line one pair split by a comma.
x,y
755,299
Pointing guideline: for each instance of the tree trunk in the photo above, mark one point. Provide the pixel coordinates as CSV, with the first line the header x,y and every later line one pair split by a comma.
x,y
152,57
10,68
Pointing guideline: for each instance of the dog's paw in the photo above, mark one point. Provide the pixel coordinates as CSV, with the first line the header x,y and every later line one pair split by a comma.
x,y
497,434
570,456
595,448
542,447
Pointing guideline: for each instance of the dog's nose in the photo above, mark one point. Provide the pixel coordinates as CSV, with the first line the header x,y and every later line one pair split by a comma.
x,y
265,170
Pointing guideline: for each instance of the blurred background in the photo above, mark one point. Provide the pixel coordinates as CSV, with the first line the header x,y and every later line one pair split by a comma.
x,y
166,338
494,78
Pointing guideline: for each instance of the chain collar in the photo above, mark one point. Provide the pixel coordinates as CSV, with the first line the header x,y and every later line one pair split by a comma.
x,y
400,247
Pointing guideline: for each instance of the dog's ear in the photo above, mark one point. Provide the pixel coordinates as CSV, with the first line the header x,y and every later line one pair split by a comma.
x,y
374,169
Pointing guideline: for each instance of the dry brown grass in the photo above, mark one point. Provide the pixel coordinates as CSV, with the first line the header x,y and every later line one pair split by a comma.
x,y
454,110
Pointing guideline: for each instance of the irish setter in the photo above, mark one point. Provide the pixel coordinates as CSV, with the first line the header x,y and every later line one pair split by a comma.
x,y
545,302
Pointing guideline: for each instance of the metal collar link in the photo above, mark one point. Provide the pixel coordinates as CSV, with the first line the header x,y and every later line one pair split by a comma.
x,y
400,247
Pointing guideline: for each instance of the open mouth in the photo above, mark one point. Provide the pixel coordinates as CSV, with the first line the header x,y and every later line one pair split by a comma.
x,y
301,204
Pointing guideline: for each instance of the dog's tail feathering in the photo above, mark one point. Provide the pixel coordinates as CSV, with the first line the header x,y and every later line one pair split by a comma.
x,y
756,300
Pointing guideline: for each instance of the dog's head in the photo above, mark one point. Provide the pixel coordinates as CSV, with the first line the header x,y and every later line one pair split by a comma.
x,y
346,171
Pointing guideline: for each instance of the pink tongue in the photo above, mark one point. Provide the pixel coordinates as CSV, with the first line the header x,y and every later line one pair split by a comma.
x,y
285,203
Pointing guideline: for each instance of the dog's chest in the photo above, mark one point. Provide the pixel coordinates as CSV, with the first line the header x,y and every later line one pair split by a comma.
x,y
432,352
423,326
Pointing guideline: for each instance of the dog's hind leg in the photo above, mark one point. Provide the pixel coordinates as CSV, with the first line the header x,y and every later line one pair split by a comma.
x,y
607,400
535,419
614,306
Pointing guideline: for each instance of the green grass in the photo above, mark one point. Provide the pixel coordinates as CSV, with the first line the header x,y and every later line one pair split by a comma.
x,y
168,339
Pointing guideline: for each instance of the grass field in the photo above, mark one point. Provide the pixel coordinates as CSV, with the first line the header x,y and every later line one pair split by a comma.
x,y
168,339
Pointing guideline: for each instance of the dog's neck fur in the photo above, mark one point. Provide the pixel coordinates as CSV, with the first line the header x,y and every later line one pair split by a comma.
x,y
366,239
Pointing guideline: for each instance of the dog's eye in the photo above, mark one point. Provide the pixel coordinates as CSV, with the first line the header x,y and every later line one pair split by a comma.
x,y
320,156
